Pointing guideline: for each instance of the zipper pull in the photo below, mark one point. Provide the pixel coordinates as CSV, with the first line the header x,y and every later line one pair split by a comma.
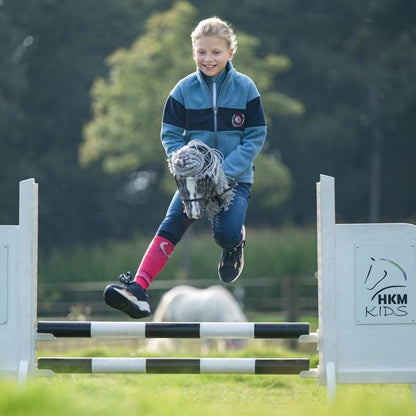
x,y
214,95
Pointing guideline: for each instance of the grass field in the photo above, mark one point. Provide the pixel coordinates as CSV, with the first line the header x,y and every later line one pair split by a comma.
x,y
200,395
172,395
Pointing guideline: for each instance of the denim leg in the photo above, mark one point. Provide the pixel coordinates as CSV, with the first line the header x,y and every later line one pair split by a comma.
x,y
226,225
176,222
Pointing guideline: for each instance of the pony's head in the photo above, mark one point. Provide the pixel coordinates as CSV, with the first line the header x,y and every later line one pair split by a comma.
x,y
194,193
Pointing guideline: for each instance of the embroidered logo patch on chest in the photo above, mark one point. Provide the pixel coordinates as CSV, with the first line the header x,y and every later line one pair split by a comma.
x,y
238,120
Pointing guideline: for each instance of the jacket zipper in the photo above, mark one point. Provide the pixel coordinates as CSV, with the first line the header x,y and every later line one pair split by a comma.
x,y
214,105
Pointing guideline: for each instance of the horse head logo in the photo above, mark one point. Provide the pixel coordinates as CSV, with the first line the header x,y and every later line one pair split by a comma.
x,y
384,274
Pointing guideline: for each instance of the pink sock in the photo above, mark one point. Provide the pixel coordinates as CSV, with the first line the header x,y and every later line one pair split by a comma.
x,y
154,260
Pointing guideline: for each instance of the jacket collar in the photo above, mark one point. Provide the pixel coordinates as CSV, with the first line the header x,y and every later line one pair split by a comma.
x,y
228,68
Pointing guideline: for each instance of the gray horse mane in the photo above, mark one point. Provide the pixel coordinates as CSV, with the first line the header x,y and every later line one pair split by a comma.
x,y
198,160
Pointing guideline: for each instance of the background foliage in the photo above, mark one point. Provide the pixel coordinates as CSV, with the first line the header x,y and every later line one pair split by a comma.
x,y
350,64
127,106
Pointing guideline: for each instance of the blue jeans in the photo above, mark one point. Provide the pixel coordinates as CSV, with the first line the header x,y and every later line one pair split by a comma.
x,y
226,225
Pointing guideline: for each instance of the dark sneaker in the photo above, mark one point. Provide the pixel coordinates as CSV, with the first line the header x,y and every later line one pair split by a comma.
x,y
232,261
131,299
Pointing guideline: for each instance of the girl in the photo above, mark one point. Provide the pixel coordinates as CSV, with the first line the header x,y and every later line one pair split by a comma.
x,y
221,107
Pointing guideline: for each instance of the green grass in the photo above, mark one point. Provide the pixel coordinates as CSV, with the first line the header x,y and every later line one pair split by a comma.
x,y
174,395
171,395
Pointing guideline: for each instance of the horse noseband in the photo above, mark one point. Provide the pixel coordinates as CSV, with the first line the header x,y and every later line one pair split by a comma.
x,y
183,192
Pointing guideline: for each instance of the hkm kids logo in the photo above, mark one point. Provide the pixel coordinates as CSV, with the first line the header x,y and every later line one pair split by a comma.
x,y
386,283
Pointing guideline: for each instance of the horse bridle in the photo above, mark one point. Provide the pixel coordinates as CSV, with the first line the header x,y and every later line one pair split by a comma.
x,y
207,180
179,184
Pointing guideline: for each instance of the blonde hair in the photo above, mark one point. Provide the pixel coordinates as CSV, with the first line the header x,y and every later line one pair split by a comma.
x,y
214,26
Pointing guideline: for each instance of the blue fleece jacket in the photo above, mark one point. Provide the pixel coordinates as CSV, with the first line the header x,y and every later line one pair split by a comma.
x,y
228,117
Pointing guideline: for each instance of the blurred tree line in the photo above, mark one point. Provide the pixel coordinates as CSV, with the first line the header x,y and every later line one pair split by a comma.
x,y
339,76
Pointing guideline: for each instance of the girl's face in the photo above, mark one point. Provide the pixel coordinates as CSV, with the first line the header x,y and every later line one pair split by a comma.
x,y
211,55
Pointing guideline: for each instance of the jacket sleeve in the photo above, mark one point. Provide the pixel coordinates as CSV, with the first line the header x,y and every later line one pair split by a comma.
x,y
242,157
173,123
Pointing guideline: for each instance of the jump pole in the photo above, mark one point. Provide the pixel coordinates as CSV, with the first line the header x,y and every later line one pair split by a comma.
x,y
234,330
175,365
48,330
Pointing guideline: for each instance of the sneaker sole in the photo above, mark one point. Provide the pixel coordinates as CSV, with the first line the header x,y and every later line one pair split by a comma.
x,y
121,300
239,273
242,260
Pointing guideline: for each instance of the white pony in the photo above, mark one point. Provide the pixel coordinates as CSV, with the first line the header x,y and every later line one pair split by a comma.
x,y
189,304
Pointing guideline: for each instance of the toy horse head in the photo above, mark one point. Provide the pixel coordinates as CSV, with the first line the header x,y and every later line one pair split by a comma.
x,y
195,188
194,194
200,180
